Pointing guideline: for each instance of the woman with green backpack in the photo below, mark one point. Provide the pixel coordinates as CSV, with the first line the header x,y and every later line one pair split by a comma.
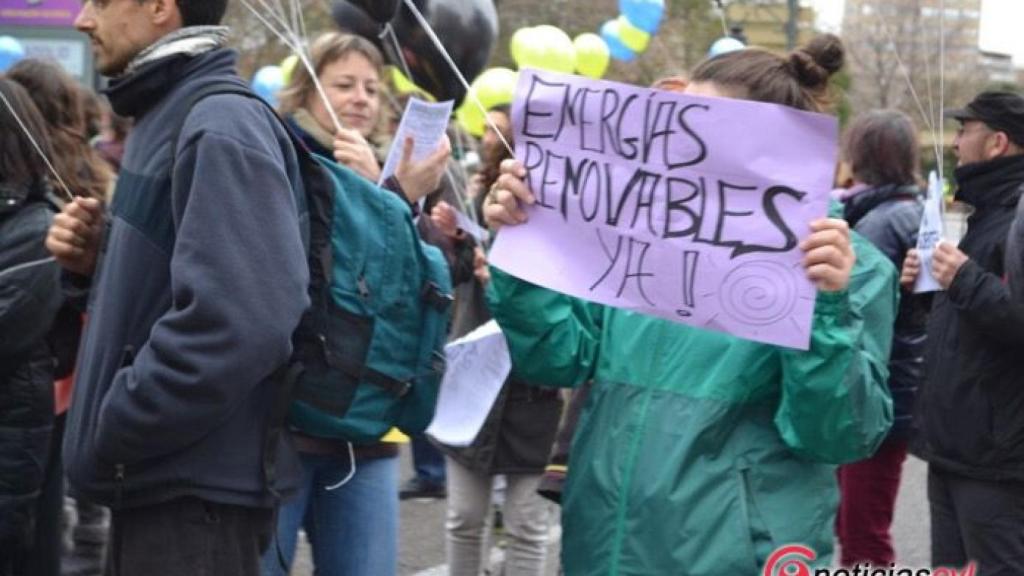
x,y
348,502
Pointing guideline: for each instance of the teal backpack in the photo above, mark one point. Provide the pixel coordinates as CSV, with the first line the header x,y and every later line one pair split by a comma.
x,y
375,355
369,353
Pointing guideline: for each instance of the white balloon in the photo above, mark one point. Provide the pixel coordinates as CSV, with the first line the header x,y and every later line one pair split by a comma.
x,y
725,45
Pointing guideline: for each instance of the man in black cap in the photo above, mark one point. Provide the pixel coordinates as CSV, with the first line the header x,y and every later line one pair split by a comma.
x,y
970,409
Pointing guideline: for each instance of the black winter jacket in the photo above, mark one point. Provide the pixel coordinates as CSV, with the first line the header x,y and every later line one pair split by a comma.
x,y
29,299
889,216
970,410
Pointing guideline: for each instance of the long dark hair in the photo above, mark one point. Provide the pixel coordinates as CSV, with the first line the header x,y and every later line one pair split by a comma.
x,y
493,158
881,148
799,80
20,163
62,102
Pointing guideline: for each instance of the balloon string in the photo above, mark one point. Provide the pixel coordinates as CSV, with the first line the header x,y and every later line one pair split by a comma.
x,y
293,43
39,149
469,90
942,84
390,33
721,16
913,92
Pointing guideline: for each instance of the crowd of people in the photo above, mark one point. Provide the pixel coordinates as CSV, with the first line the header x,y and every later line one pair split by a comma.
x,y
152,279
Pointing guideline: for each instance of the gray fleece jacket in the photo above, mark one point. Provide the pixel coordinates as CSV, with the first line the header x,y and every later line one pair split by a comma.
x,y
201,281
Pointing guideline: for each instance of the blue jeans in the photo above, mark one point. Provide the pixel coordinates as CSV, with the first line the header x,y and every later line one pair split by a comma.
x,y
428,461
353,530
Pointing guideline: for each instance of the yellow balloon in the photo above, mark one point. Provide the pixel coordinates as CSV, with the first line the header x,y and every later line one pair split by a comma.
x,y
592,55
471,118
519,41
287,67
494,87
560,54
546,47
403,85
634,38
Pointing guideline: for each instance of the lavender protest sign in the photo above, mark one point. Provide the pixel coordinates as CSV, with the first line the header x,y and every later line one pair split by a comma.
x,y
683,207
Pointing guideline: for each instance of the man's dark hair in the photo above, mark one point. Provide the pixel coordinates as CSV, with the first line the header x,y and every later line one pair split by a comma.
x,y
202,12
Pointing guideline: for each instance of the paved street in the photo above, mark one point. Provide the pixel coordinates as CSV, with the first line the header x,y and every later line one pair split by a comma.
x,y
422,530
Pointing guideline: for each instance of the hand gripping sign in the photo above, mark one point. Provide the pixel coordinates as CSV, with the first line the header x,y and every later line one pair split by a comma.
x,y
683,207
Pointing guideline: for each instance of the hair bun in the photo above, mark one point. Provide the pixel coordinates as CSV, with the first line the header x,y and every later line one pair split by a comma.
x,y
816,62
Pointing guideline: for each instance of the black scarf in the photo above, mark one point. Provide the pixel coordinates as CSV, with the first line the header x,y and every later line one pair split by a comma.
x,y
996,182
134,95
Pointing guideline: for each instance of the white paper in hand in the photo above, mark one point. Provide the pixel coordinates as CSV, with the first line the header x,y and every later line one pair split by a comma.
x,y
426,123
929,235
478,365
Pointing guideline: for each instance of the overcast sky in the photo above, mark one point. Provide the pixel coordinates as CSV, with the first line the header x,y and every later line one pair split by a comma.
x,y
1000,24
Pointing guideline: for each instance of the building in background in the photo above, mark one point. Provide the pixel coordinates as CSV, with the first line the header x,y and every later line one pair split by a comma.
x,y
46,29
765,23
999,67
880,34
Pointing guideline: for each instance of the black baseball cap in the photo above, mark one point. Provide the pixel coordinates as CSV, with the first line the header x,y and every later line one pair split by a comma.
x,y
1001,111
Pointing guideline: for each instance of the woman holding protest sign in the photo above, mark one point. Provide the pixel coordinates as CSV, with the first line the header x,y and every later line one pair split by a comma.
x,y
348,501
698,452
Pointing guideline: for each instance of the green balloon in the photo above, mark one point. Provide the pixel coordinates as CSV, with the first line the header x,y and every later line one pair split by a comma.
x,y
592,55
634,38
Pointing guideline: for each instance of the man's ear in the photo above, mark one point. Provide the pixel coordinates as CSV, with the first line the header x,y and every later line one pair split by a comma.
x,y
165,14
999,145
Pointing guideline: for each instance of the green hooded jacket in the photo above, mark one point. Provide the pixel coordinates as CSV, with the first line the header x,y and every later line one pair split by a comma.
x,y
698,453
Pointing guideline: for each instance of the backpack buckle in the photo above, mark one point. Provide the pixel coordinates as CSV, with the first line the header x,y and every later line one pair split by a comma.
x,y
433,295
404,388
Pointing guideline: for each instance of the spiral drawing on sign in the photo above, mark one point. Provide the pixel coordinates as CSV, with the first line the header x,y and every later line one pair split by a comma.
x,y
759,293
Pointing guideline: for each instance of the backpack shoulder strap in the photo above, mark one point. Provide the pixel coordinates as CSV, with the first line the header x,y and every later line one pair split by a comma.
x,y
222,87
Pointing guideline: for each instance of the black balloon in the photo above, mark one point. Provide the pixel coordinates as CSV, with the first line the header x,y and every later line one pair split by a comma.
x,y
380,10
468,29
351,18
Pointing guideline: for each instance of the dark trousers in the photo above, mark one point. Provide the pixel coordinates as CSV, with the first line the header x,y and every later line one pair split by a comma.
x,y
427,460
867,500
977,520
188,536
46,549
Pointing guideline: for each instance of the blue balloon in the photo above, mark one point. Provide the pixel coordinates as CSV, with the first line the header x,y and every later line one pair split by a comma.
x,y
267,82
618,49
725,45
11,51
644,14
